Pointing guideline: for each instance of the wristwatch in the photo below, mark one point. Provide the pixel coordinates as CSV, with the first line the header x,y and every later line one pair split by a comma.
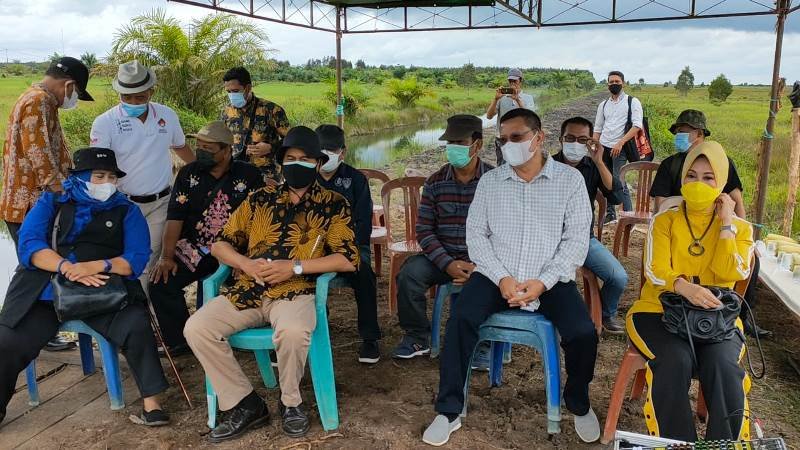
x,y
731,228
298,267
107,266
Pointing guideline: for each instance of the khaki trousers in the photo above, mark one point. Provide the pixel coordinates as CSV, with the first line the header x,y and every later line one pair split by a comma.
x,y
156,215
207,330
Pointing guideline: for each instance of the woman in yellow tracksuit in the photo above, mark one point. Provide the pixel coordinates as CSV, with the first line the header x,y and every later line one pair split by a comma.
x,y
715,251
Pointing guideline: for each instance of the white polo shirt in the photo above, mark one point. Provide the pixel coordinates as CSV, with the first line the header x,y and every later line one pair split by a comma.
x,y
506,104
612,117
143,150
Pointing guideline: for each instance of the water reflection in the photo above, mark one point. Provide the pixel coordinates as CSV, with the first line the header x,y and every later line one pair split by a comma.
x,y
8,260
379,150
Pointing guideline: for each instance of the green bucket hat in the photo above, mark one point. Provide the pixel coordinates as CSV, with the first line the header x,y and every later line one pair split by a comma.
x,y
692,117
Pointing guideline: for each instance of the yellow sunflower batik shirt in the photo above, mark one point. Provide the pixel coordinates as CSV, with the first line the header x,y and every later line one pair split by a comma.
x,y
268,225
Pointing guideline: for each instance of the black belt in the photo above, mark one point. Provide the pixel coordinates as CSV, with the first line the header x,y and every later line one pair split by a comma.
x,y
149,198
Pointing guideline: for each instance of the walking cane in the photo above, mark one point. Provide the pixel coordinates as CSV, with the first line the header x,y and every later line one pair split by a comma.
x,y
156,328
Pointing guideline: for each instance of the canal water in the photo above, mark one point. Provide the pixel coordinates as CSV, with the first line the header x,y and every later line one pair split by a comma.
x,y
374,151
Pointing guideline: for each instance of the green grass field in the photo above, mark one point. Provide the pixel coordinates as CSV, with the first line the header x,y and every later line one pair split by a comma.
x,y
738,125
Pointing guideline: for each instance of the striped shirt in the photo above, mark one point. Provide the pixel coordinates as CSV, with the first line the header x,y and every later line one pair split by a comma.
x,y
442,216
536,230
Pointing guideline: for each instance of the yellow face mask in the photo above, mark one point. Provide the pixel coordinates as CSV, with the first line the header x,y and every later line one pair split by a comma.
x,y
699,196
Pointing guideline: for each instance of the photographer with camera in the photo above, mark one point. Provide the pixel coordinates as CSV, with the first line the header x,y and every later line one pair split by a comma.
x,y
506,99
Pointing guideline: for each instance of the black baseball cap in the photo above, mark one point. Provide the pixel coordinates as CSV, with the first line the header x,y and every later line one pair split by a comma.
x,y
461,126
77,71
96,158
306,140
331,137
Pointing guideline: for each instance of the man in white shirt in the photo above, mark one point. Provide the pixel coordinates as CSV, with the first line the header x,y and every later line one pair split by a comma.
x,y
613,131
506,99
527,233
141,133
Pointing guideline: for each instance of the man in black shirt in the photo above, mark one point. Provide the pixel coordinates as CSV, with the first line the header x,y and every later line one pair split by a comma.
x,y
206,193
343,178
690,130
580,151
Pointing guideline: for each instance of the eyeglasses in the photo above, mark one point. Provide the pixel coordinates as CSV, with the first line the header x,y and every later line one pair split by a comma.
x,y
581,140
515,137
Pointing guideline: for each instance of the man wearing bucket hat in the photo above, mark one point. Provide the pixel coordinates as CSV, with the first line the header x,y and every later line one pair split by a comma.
x,y
205,194
504,102
35,154
142,133
278,239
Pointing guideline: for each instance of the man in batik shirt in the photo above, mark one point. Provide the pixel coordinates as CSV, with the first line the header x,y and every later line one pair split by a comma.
x,y
258,125
278,239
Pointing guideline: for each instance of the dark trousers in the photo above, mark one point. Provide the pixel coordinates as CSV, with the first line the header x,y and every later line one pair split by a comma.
x,y
614,164
667,409
480,298
169,301
416,277
129,329
13,231
365,288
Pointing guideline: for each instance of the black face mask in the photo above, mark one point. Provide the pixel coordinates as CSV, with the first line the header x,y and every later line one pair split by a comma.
x,y
298,176
205,159
615,88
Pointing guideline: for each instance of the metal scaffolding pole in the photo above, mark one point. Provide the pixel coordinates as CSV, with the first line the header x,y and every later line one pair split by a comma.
x,y
339,104
765,153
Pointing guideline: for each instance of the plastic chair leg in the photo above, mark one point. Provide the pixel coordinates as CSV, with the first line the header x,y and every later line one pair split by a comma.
x,y
626,371
265,367
33,386
617,239
507,353
211,399
552,373
87,355
701,409
320,361
638,386
108,353
496,363
394,268
442,292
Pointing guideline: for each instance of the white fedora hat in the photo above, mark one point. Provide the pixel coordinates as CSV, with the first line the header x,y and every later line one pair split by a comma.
x,y
133,77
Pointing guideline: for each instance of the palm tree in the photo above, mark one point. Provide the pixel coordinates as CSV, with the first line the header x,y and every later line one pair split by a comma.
x,y
90,59
190,65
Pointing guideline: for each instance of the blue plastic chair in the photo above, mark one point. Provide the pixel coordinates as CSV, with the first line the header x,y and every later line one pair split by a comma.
x,y
259,340
442,292
516,326
108,353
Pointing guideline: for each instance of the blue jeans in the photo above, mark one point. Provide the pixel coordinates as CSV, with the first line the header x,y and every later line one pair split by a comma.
x,y
603,264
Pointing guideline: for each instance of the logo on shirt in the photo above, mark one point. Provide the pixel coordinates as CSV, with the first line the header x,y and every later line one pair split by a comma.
x,y
193,181
181,198
344,182
162,123
240,186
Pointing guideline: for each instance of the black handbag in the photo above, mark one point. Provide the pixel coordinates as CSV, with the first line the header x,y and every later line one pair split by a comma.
x,y
75,301
697,324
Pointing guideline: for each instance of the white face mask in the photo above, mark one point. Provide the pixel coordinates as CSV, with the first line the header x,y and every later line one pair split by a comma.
x,y
101,192
333,162
72,101
517,153
574,151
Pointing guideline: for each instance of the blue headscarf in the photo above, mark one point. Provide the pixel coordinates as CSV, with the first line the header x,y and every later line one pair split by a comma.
x,y
86,207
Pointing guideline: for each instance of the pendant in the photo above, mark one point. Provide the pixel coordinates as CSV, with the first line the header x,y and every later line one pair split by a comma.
x,y
696,248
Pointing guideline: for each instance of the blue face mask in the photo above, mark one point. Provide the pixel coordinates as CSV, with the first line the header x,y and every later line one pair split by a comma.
x,y
133,110
682,143
458,155
237,99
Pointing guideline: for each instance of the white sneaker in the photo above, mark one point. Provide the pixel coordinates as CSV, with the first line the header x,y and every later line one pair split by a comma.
x,y
587,427
439,431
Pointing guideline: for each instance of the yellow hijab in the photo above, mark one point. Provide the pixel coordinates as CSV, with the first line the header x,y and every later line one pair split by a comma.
x,y
717,158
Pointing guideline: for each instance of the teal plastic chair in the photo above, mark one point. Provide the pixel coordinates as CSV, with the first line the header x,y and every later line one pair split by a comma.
x,y
108,354
259,340
516,326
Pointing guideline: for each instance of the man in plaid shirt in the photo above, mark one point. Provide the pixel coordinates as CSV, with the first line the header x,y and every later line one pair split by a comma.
x,y
527,233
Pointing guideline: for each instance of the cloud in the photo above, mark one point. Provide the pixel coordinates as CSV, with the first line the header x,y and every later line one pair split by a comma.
x,y
740,48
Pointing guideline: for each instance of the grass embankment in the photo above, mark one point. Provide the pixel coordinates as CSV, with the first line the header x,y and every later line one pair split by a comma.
x,y
738,125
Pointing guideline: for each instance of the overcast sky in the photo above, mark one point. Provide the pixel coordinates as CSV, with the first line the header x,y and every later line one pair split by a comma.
x,y
740,48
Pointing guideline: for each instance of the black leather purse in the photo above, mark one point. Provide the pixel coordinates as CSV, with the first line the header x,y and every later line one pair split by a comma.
x,y
696,324
75,301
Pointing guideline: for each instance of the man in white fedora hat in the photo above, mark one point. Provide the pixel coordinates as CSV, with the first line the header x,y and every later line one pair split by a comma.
x,y
141,133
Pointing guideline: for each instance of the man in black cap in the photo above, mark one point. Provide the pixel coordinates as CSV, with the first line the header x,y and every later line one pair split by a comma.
x,y
206,193
441,232
278,240
35,154
343,178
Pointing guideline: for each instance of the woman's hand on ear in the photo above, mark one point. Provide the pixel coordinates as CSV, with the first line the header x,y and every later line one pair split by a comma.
x,y
725,208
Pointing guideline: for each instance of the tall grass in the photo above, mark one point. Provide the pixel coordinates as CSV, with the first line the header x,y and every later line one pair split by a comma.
x,y
738,125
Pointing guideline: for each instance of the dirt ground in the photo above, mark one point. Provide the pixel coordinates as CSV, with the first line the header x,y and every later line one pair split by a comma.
x,y
388,405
